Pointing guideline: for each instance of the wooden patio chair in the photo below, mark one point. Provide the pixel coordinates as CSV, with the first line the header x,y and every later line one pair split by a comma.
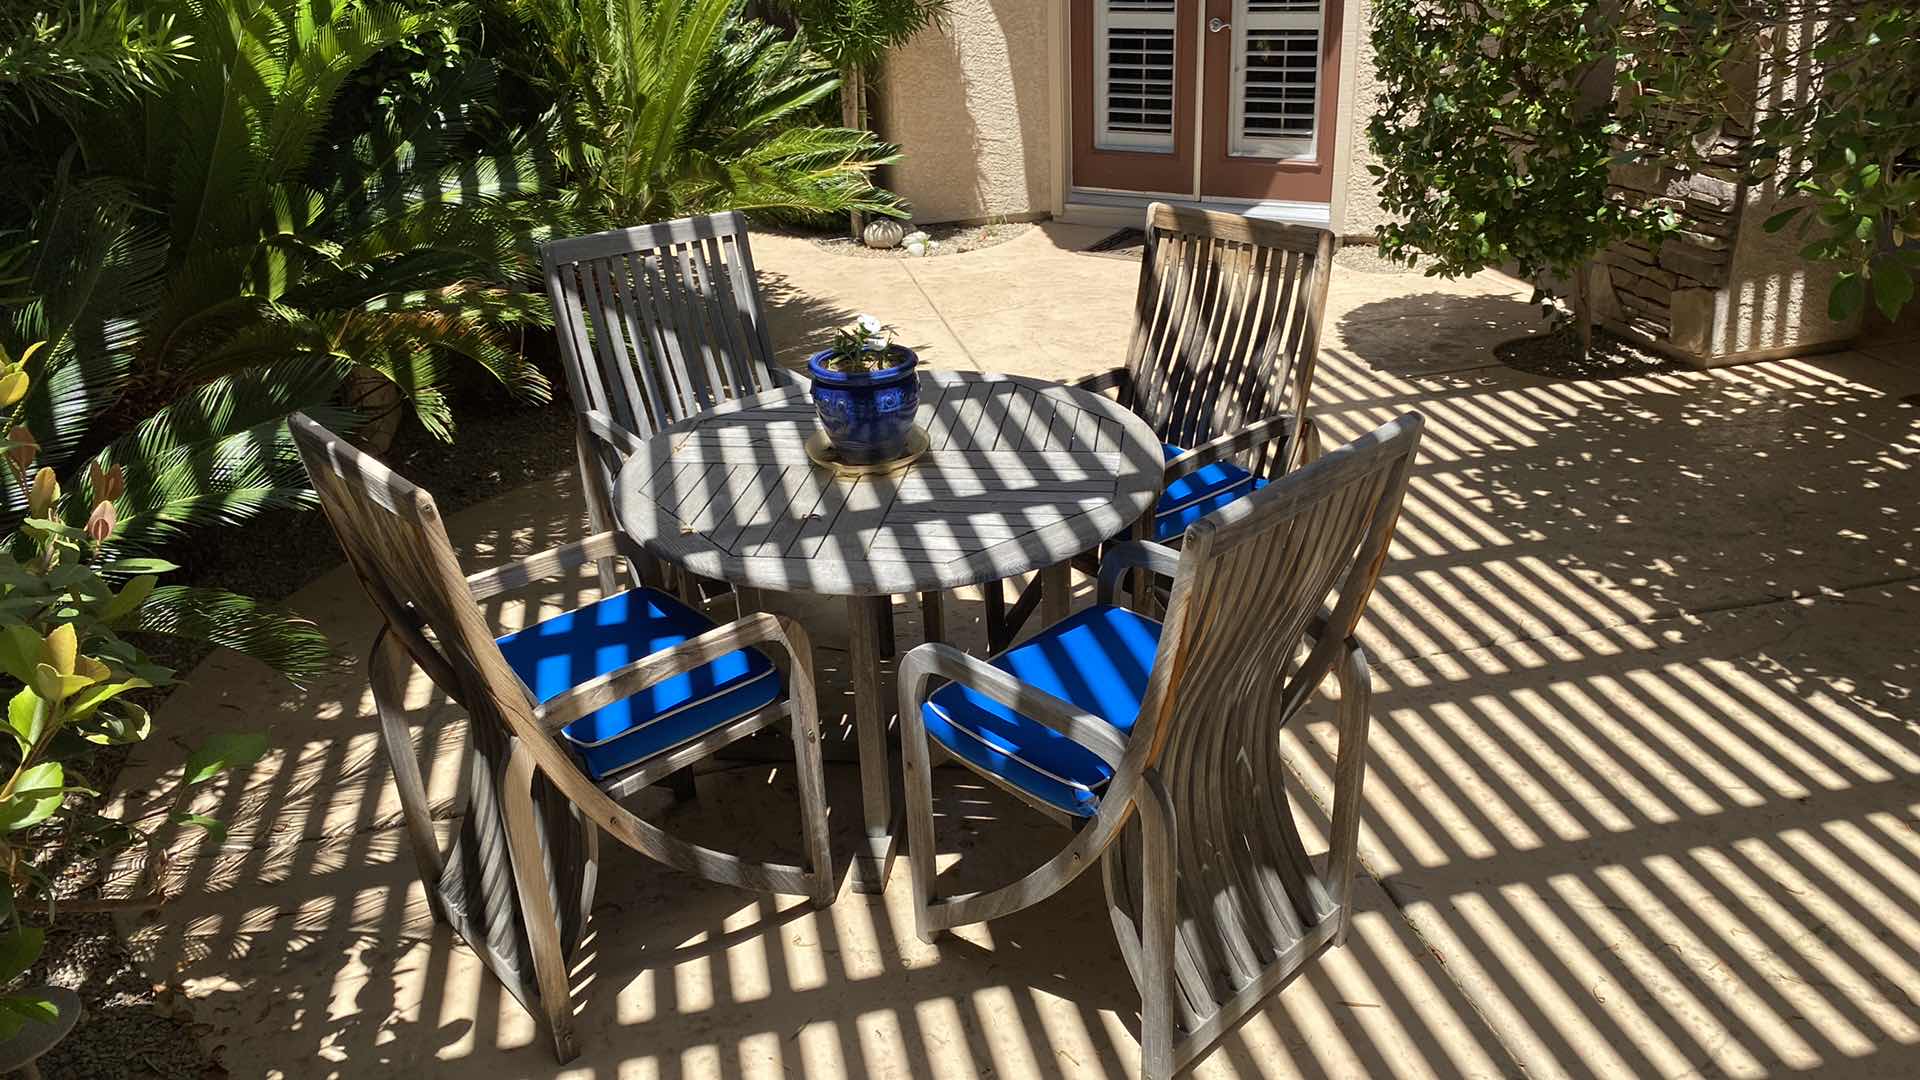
x,y
1109,718
1226,331
657,323
638,684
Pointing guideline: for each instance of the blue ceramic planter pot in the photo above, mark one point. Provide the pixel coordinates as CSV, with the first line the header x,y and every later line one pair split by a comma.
x,y
867,414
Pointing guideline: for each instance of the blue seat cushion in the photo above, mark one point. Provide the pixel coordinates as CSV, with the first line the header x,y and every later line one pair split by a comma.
x,y
1198,494
1097,659
554,656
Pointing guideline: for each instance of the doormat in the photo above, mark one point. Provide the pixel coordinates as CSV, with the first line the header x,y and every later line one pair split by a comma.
x,y
1125,244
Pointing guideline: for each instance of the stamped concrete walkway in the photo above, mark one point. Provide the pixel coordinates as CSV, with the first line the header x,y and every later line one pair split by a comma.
x,y
1645,796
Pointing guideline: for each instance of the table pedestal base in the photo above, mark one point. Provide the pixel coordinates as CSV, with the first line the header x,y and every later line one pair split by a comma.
x,y
873,863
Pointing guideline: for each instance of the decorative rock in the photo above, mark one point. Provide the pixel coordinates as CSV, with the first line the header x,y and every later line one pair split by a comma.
x,y
1702,239
883,233
1606,305
1627,266
1653,294
1715,192
1691,263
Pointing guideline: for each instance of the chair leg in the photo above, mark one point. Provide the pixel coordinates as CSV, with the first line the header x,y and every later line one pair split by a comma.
x,y
918,793
1349,773
1157,914
813,800
681,784
886,650
536,903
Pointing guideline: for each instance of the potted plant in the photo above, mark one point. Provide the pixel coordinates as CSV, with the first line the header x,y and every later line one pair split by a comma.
x,y
866,391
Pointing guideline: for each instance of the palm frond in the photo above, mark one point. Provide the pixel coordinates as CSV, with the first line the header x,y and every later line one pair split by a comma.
x,y
291,645
61,58
219,455
94,277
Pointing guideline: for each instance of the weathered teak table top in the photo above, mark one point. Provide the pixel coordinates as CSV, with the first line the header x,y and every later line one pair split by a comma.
x,y
1020,475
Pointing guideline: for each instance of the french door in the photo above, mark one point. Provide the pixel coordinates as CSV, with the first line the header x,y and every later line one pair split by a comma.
x,y
1228,99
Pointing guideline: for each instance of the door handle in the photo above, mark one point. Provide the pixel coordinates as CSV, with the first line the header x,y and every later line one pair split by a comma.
x,y
1214,26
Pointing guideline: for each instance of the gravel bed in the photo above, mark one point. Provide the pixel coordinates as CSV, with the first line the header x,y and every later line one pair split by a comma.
x,y
947,240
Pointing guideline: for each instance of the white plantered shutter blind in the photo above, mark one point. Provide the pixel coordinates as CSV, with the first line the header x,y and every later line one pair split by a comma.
x,y
1133,74
1276,77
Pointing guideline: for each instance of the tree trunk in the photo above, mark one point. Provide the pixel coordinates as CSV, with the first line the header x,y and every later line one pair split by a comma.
x,y
1595,93
381,406
1583,308
853,114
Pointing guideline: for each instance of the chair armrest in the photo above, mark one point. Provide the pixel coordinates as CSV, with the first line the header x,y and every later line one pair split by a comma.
x,y
550,563
629,679
1101,381
787,377
1160,560
1097,736
1253,435
608,430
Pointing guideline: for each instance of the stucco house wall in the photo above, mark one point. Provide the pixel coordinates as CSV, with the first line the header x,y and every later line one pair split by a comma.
x,y
1775,303
1357,212
970,103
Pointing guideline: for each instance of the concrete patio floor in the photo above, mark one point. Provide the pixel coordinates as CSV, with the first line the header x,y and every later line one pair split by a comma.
x,y
1644,796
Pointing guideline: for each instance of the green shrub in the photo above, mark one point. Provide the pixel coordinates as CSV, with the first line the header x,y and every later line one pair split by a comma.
x,y
1498,123
72,685
664,108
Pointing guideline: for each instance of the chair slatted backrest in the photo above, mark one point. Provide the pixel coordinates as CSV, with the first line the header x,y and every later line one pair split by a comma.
x,y
394,539
1226,323
1253,578
1255,574
660,321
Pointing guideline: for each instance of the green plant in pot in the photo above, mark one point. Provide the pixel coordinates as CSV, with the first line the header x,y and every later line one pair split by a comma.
x,y
866,390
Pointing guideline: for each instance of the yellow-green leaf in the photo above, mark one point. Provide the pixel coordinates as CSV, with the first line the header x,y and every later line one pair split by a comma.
x,y
37,793
63,645
27,718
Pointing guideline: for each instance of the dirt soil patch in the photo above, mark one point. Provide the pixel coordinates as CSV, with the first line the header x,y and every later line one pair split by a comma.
x,y
1557,355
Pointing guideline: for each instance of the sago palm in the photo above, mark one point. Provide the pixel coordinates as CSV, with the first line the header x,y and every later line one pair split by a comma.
x,y
387,248
855,35
217,456
227,260
674,107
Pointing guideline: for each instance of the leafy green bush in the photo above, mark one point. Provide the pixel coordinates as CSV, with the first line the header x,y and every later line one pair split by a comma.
x,y
72,685
392,248
1498,123
1843,134
1492,152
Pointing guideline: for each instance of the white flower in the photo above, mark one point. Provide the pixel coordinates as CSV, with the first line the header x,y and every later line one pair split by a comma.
x,y
917,237
872,331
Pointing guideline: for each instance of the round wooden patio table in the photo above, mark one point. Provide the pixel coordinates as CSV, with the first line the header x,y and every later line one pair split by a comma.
x,y
1020,475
